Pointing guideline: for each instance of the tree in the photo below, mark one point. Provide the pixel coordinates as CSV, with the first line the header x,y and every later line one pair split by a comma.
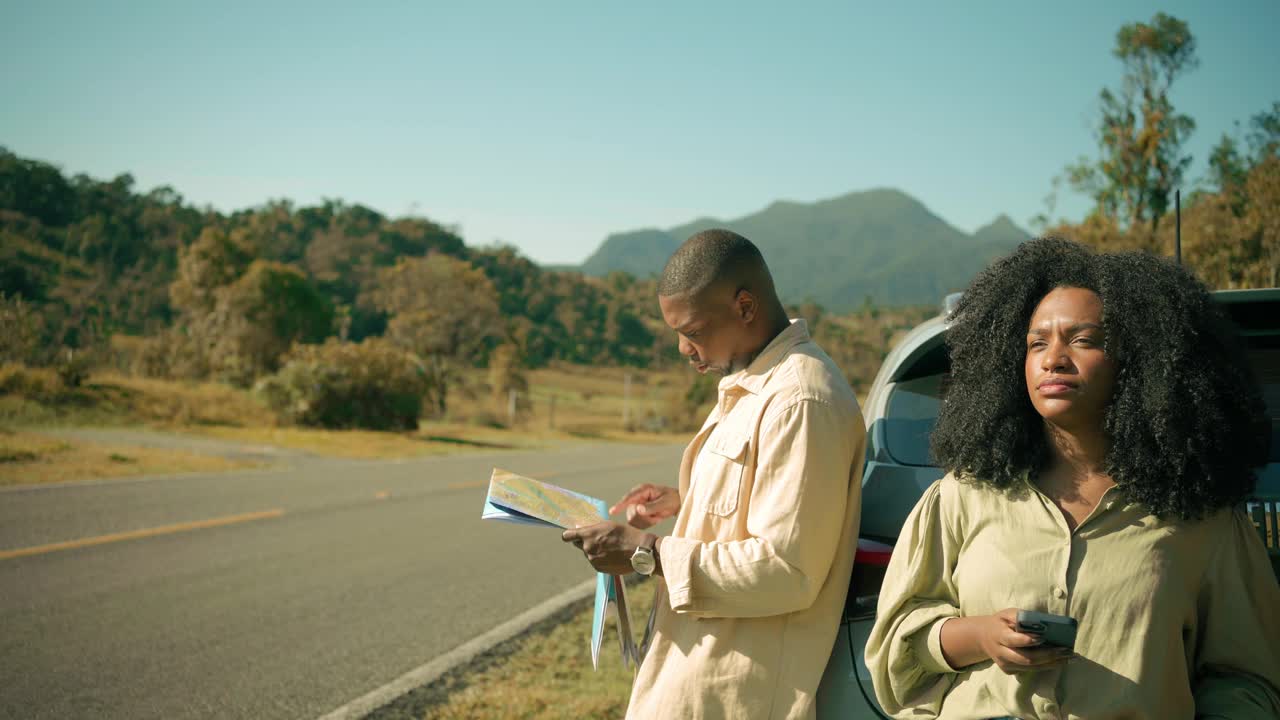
x,y
1227,167
505,377
1231,232
260,316
1140,135
275,230
21,328
442,308
1261,221
35,189
1264,136
214,260
239,315
347,246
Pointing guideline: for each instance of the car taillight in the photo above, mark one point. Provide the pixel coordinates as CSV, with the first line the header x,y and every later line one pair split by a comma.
x,y
871,552
869,563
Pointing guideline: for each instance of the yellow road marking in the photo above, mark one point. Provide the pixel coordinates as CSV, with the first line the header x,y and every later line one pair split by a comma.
x,y
144,533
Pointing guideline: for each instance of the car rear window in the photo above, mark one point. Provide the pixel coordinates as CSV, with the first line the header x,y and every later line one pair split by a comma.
x,y
910,416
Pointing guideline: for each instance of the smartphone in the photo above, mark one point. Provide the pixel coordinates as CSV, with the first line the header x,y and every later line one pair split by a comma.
x,y
1056,630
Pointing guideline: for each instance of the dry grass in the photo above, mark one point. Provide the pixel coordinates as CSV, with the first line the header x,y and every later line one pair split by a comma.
x,y
562,403
589,403
585,401
27,457
543,675
188,403
37,397
369,444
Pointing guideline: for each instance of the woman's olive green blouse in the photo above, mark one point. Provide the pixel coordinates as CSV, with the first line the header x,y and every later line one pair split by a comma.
x,y
1177,619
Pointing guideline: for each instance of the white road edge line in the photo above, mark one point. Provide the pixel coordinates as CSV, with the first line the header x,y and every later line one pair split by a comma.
x,y
460,655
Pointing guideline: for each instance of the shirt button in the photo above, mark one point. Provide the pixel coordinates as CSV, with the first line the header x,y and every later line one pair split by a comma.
x,y
1059,593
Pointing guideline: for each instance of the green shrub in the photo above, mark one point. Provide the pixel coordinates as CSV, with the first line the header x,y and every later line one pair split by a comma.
x,y
372,384
271,307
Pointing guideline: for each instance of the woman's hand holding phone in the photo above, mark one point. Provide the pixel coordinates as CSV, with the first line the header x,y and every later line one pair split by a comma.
x,y
1014,651
970,640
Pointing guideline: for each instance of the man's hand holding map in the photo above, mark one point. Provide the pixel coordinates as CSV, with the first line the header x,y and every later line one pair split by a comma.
x,y
517,499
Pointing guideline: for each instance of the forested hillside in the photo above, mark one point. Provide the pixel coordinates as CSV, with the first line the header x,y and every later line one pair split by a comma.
x,y
100,258
97,272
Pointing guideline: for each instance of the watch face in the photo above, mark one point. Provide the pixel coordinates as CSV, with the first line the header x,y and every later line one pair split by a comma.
x,y
642,561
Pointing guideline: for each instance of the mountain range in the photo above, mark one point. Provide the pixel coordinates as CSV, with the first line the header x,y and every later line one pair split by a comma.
x,y
880,244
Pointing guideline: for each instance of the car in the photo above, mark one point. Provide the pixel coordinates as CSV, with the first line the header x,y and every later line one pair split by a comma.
x,y
900,411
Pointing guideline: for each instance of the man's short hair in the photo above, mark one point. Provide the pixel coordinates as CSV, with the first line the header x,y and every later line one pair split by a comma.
x,y
713,256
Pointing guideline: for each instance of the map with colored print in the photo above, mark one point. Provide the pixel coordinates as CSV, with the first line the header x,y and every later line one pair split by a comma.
x,y
514,498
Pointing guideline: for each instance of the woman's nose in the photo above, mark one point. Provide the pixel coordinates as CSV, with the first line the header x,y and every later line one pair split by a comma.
x,y
1055,357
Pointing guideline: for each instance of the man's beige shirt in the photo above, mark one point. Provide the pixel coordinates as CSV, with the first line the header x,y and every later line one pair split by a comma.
x,y
1178,619
758,564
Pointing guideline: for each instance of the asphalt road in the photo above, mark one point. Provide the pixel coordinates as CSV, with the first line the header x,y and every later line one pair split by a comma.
x,y
324,580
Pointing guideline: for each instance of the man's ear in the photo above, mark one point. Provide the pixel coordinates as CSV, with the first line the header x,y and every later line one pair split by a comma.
x,y
746,306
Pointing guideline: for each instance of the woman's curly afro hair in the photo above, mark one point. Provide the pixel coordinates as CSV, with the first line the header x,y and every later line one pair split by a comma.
x,y
1186,423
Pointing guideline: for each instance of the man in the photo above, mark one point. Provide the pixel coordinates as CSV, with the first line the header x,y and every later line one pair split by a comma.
x,y
757,566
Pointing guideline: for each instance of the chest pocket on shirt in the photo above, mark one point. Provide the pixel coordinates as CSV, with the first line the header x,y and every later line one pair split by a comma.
x,y
723,466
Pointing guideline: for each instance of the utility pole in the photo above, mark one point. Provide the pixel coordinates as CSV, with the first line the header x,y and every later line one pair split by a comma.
x,y
511,407
626,401
1177,234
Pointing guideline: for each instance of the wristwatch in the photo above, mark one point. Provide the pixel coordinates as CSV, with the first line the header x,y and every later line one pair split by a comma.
x,y
645,559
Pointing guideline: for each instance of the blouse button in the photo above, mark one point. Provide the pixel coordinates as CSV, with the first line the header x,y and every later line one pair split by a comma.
x,y
1059,593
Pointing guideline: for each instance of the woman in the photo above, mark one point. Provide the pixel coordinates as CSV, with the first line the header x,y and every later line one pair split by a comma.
x,y
1100,428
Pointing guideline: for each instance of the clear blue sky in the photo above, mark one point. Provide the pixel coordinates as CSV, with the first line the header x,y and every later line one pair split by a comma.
x,y
549,125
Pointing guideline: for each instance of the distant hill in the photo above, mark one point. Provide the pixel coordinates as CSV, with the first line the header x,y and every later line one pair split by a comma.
x,y
639,252
882,244
1002,230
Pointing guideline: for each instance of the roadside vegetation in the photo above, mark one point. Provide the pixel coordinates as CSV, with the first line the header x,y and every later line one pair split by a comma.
x,y
544,674
325,397
44,396
32,457
555,405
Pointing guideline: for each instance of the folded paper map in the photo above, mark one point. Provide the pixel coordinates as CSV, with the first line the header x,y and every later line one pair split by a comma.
x,y
518,499
513,498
